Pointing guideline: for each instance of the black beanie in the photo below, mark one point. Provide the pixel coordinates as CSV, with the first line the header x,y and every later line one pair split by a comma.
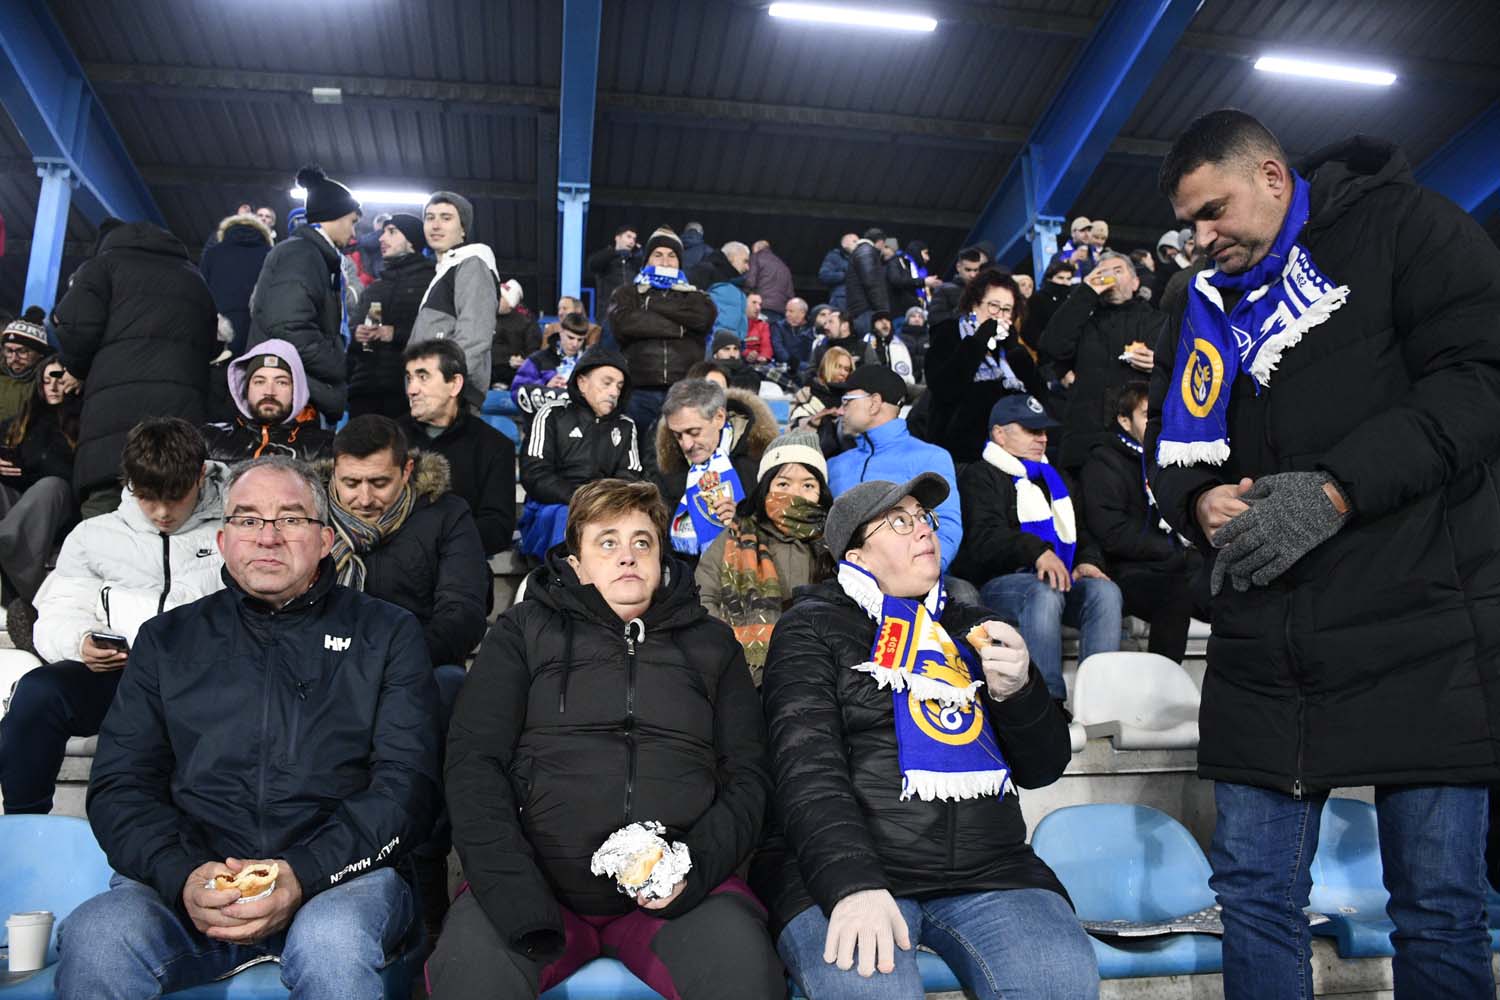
x,y
664,237
411,227
326,199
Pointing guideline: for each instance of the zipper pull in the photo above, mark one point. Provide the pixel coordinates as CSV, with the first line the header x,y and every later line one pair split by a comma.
x,y
1297,789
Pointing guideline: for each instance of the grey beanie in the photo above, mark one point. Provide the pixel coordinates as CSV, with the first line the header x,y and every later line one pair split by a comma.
x,y
458,201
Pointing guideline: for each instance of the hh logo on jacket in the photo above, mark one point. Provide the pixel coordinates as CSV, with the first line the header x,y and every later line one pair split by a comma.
x,y
336,643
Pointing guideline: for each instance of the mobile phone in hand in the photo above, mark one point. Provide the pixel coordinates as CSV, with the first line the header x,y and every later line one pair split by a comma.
x,y
110,640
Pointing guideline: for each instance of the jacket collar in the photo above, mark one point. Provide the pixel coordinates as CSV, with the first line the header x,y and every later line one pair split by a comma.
x,y
327,577
886,435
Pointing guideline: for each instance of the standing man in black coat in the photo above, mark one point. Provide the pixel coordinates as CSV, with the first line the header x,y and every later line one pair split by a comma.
x,y
231,267
866,288
1334,442
300,297
376,373
1106,336
138,328
615,266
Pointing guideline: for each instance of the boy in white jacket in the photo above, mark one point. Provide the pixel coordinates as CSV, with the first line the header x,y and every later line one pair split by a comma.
x,y
115,571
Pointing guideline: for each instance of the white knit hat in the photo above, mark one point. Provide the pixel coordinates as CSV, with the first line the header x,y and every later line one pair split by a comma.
x,y
510,291
798,446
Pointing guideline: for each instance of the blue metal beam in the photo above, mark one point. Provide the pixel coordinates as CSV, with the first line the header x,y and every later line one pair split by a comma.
x,y
1127,49
55,109
575,134
49,233
1467,167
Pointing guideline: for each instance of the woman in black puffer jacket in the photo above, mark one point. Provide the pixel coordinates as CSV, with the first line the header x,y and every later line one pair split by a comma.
x,y
608,697
921,840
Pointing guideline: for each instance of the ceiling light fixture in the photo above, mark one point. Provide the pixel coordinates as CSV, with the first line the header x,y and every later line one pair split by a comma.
x,y
853,17
374,196
1325,71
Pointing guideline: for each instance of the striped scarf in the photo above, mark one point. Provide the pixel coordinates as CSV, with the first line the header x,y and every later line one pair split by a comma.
x,y
1047,514
353,538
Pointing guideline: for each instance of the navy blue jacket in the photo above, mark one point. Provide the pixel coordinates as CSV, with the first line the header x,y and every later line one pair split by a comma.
x,y
832,274
307,733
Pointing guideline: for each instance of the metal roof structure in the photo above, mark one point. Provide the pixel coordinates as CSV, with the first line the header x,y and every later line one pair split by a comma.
x,y
707,110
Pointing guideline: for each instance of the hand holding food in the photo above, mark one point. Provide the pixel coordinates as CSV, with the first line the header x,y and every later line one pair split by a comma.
x,y
253,881
641,861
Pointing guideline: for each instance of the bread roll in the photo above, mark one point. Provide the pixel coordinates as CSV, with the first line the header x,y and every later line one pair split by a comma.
x,y
638,872
251,881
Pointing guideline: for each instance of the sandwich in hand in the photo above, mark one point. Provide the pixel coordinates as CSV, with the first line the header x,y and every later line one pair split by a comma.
x,y
253,881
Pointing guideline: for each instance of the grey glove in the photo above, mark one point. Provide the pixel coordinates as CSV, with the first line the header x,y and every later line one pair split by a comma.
x,y
1289,516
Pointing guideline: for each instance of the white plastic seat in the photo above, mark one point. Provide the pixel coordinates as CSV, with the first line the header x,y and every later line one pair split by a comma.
x,y
1141,701
13,664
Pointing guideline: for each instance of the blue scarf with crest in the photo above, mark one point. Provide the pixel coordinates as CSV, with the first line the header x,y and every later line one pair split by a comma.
x,y
1284,296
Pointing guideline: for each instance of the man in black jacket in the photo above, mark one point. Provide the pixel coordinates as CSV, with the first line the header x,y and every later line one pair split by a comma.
x,y
1345,486
481,460
866,289
376,376
270,391
581,437
284,720
901,819
616,265
137,328
299,296
1106,336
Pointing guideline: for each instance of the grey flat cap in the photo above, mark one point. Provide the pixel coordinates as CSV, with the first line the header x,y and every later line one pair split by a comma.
x,y
868,501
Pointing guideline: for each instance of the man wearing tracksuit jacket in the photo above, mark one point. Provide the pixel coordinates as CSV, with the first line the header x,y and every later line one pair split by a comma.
x,y
285,719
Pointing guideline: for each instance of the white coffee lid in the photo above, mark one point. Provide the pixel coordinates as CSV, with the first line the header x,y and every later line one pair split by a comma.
x,y
28,918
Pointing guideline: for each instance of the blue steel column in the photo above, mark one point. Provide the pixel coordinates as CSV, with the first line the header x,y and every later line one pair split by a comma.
x,y
49,234
575,135
1467,167
1129,46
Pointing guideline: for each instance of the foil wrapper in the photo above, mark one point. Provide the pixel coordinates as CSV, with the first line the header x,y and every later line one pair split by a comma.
x,y
625,846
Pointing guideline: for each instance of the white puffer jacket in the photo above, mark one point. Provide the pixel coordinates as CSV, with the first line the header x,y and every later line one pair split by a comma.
x,y
116,571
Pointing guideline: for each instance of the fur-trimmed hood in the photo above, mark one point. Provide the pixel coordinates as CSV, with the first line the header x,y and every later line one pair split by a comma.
x,y
231,221
754,428
430,475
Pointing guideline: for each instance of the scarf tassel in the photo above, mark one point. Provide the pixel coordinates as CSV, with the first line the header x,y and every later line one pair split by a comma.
x,y
922,688
1271,351
930,785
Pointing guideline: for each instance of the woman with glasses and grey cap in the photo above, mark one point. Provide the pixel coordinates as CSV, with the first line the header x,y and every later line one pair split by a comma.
x,y
901,726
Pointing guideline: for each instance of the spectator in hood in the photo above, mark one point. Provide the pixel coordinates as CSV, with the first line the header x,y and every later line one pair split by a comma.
x,y
944,304
23,345
582,436
138,327
616,266
269,390
722,277
662,323
907,275
1169,256
481,460
300,295
1057,285
833,273
230,268
375,372
461,302
867,290
544,376
114,573
792,337
769,276
515,328
694,249
1025,283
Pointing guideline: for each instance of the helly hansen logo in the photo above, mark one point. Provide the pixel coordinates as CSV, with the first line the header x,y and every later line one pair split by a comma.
x,y
336,643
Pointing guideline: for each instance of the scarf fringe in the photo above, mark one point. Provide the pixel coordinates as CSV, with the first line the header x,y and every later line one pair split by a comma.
x,y
930,785
922,688
1192,452
1271,351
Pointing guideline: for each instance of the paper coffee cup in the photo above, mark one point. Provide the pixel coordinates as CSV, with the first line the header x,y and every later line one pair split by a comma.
x,y
29,934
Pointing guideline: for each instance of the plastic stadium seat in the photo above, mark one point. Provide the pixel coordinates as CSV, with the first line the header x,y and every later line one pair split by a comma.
x,y
498,401
1130,862
601,979
51,863
13,664
1347,883
781,409
1140,700
936,976
505,425
1078,737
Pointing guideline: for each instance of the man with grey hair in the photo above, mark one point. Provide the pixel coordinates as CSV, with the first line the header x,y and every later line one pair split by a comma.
x,y
793,335
708,446
1107,336
722,276
770,276
322,797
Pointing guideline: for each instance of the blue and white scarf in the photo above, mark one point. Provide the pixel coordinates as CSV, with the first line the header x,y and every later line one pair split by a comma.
x,y
994,367
944,744
917,270
1285,295
1065,253
1047,514
694,527
1140,453
665,278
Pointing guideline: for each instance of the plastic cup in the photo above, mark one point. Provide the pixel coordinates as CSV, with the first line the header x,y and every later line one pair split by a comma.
x,y
29,934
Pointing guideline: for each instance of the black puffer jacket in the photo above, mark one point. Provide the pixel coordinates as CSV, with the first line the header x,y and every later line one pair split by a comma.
x,y
231,267
1375,659
307,732
298,299
573,724
866,288
138,327
958,414
481,470
399,289
1087,337
1119,518
661,331
838,781
569,445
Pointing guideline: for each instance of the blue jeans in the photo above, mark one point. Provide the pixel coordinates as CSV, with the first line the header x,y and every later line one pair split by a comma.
x,y
126,944
1432,841
1092,606
1018,944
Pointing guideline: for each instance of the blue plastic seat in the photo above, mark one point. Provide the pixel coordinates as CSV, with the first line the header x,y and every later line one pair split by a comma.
x,y
936,976
498,401
781,409
51,863
1131,862
1347,881
505,425
601,979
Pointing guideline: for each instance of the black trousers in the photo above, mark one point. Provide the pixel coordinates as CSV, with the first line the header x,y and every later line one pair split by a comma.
x,y
52,703
1164,600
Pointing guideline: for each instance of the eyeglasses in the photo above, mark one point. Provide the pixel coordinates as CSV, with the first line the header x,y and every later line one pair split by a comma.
x,y
997,309
243,524
852,397
904,522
